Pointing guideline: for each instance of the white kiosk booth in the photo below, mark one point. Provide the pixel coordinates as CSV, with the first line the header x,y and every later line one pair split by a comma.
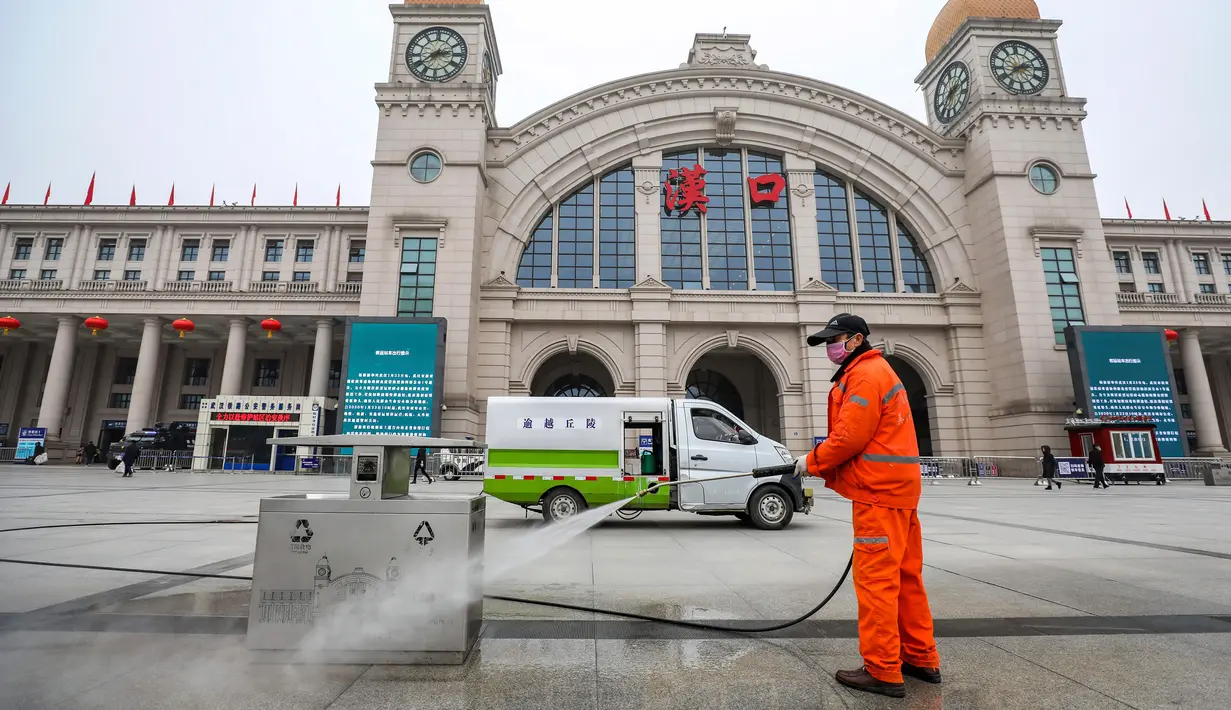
x,y
234,431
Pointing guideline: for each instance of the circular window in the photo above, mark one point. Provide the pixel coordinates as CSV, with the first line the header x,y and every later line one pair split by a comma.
x,y
425,166
1044,178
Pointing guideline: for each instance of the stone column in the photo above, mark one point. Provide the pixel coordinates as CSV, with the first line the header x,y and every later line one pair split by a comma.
x,y
647,171
141,408
1200,395
322,356
233,367
59,376
801,195
1180,270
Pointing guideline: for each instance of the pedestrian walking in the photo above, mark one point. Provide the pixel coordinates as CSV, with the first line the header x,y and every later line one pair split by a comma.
x,y
131,453
872,458
91,453
1050,468
421,465
1097,465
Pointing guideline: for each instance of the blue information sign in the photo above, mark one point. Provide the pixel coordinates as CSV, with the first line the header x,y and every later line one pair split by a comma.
x,y
1125,372
27,439
393,376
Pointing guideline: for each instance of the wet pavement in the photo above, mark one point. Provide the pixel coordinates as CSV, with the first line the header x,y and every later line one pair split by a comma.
x,y
1068,599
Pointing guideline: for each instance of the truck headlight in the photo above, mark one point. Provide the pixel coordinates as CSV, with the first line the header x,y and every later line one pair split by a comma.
x,y
786,455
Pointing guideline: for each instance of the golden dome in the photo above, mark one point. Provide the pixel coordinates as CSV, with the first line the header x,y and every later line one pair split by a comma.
x,y
955,12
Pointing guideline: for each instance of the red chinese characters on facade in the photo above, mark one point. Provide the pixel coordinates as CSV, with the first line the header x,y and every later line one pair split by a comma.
x,y
685,189
766,189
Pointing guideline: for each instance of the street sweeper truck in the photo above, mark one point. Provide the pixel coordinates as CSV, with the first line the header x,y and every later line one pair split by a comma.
x,y
561,455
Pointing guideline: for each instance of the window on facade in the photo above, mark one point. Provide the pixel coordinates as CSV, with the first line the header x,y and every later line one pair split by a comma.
x,y
221,250
22,248
335,374
1132,445
417,282
1156,287
1201,262
1128,288
535,268
17,274
102,275
1186,411
354,277
191,401
301,276
1181,382
726,238
125,370
714,387
681,234
136,250
1207,288
1044,179
303,250
190,249
217,276
132,275
265,373
1063,290
916,276
617,230
106,250
425,166
55,246
834,232
273,251
875,252
1226,264
186,276
575,240
47,274
1124,263
268,276
1149,262
576,385
773,264
358,250
120,400
196,371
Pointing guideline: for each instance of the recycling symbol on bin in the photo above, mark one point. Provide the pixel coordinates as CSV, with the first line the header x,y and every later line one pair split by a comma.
x,y
305,536
424,534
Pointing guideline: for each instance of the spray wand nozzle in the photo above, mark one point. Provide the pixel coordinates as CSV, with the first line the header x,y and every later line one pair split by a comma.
x,y
768,472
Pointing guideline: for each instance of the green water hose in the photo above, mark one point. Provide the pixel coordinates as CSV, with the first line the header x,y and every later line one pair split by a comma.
x,y
496,597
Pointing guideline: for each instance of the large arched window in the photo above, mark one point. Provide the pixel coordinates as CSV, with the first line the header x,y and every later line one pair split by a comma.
x,y
858,249
576,386
566,246
709,200
715,387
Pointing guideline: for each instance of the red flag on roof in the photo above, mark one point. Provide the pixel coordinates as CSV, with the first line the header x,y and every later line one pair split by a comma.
x,y
171,199
253,193
295,199
337,202
211,195
48,195
1166,211
89,195
1129,209
132,199
1207,211
5,200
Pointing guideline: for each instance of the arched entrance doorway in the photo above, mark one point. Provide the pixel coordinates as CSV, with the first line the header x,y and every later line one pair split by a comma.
x,y
917,392
742,384
572,375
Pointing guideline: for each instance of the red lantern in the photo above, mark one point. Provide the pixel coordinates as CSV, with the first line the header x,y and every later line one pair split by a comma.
x,y
1172,336
96,324
9,323
271,326
183,325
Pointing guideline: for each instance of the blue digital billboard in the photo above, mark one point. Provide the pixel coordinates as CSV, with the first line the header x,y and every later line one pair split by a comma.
x,y
393,376
1125,373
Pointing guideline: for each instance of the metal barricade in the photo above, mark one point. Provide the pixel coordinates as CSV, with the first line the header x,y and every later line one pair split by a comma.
x,y
327,463
935,468
1188,469
8,454
456,464
1007,467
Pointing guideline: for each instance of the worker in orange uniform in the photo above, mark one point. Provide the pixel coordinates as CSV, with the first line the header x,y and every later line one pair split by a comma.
x,y
871,456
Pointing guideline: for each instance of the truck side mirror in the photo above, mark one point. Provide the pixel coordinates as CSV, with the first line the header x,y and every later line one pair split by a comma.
x,y
747,439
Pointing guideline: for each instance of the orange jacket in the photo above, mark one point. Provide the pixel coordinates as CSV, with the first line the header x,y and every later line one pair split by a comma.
x,y
871,455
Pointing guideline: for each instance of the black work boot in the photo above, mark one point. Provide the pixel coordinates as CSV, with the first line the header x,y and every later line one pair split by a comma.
x,y
862,680
927,675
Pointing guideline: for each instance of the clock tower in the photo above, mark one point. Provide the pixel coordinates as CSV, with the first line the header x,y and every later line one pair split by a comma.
x,y
994,79
429,182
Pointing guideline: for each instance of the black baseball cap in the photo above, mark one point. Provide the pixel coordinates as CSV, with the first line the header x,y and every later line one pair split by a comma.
x,y
839,324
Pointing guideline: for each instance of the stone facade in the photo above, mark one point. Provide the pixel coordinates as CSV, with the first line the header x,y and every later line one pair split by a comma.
x,y
960,303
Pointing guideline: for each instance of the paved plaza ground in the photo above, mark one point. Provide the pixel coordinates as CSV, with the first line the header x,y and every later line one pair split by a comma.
x,y
1064,599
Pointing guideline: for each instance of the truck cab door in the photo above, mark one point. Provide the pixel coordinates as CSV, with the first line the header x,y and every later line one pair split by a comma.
x,y
713,446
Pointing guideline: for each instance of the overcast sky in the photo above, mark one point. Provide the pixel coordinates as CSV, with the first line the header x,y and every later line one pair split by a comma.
x,y
280,91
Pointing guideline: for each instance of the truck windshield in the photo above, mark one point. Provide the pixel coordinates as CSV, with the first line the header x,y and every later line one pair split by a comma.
x,y
712,426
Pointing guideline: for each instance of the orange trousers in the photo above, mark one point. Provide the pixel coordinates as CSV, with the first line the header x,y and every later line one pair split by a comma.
x,y
895,622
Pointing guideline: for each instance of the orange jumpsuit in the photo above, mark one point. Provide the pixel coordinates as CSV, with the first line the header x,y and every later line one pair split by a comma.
x,y
872,458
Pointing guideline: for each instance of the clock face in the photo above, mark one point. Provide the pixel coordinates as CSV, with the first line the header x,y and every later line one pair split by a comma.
x,y
489,75
436,54
952,92
1019,68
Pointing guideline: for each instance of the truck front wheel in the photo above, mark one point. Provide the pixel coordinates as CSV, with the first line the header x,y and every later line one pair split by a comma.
x,y
562,504
770,508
